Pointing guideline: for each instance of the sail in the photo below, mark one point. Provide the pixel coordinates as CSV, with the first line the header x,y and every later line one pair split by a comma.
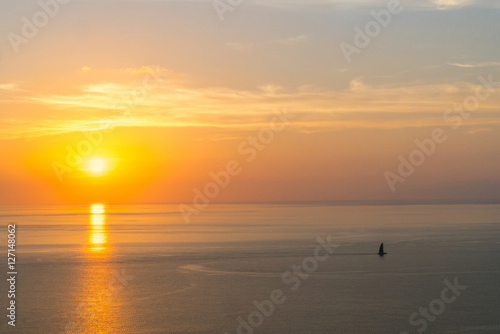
x,y
381,249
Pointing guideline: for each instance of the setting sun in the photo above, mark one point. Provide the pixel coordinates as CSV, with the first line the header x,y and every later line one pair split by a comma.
x,y
97,166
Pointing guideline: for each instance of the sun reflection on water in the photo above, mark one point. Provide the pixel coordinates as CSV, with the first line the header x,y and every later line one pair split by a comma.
x,y
97,300
97,209
97,233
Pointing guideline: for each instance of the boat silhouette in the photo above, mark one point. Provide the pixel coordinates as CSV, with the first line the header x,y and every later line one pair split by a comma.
x,y
381,250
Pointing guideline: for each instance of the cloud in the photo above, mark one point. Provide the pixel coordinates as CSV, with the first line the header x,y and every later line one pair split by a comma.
x,y
359,105
9,86
448,4
357,85
292,41
270,89
409,5
145,70
475,65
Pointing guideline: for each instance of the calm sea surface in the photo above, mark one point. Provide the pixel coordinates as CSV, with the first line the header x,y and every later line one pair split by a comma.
x,y
142,269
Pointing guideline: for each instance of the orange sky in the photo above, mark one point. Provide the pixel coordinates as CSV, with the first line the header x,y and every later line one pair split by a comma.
x,y
165,101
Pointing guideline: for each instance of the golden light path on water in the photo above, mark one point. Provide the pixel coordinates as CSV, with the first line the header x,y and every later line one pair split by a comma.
x,y
97,234
98,300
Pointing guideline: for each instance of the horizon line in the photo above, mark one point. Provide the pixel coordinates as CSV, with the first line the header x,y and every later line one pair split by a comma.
x,y
305,202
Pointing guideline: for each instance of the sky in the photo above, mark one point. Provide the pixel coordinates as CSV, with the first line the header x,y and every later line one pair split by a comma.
x,y
164,94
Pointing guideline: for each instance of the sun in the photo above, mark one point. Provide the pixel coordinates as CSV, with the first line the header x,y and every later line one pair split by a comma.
x,y
97,166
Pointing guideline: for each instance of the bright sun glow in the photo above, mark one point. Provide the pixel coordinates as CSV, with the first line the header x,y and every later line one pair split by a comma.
x,y
97,166
97,209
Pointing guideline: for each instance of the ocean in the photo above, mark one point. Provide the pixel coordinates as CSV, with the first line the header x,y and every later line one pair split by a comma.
x,y
253,268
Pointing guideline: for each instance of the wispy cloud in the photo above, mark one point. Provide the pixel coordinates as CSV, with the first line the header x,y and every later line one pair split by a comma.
x,y
292,41
9,86
145,70
476,65
447,4
359,105
417,4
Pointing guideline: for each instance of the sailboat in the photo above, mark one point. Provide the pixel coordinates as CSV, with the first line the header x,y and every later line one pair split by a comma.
x,y
381,250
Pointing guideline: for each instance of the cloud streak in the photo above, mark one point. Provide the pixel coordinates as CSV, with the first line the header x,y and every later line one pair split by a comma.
x,y
476,65
292,41
8,86
359,105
